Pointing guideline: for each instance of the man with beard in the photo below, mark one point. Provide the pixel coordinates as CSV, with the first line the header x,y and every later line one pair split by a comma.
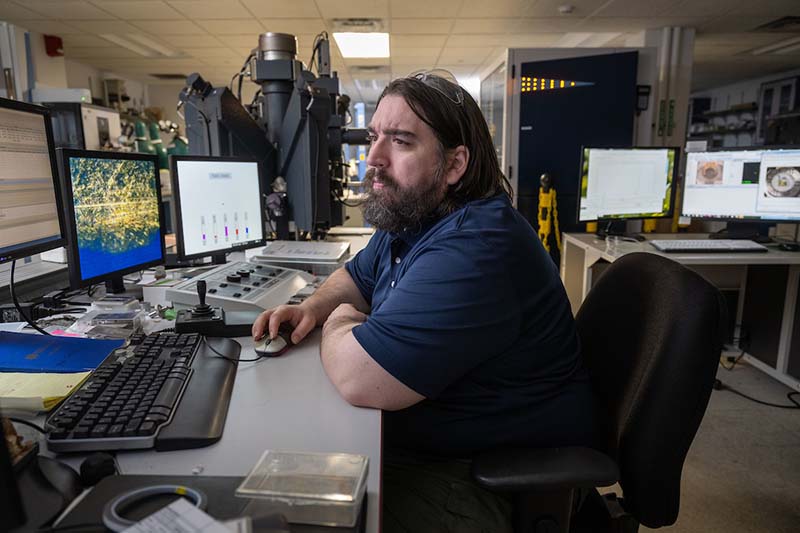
x,y
453,319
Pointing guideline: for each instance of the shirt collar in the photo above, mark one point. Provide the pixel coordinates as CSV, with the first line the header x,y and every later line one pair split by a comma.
x,y
412,236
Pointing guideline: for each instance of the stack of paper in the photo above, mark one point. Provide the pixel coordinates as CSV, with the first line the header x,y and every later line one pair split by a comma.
x,y
36,392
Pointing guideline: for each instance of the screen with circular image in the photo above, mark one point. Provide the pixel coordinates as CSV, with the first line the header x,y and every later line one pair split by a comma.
x,y
709,173
783,182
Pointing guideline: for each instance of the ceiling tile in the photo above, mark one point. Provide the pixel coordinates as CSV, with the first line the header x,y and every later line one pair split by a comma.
x,y
11,11
199,40
330,9
496,8
282,8
111,26
210,9
400,51
68,10
582,8
141,10
635,8
50,27
513,25
248,40
423,26
214,52
424,8
307,26
173,27
232,27
83,39
625,24
770,8
701,8
417,41
108,51
472,56
733,24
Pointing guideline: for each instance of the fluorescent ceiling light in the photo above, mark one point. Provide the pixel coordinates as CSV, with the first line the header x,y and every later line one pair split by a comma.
x,y
125,43
153,45
362,44
775,47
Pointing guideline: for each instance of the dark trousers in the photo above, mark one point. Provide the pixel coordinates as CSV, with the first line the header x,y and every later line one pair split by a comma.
x,y
425,494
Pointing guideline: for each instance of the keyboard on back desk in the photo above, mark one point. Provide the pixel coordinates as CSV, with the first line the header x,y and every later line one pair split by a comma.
x,y
133,400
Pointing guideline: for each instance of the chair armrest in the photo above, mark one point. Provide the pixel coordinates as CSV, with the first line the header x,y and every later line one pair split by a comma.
x,y
544,469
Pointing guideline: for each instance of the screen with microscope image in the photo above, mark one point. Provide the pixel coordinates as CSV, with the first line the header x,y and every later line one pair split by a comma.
x,y
116,214
779,184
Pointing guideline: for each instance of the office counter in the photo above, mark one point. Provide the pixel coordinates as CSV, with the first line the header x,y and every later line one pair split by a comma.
x,y
764,289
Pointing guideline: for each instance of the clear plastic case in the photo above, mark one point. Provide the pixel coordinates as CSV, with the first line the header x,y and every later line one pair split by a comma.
x,y
309,488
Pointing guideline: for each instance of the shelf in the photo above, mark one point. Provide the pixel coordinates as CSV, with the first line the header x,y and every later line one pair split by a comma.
x,y
723,132
728,112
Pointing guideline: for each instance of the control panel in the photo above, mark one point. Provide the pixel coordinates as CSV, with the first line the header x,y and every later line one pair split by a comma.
x,y
242,286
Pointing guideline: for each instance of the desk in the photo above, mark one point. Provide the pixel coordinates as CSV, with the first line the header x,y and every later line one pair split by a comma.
x,y
767,287
282,403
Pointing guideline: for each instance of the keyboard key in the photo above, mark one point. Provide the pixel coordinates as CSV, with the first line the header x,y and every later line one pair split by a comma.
x,y
115,430
147,428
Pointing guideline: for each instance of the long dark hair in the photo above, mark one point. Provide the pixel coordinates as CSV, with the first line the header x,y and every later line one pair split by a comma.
x,y
456,120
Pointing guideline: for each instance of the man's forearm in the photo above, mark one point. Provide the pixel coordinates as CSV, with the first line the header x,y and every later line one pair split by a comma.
x,y
338,289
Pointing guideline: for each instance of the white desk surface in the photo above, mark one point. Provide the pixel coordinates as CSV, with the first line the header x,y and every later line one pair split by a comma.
x,y
282,403
591,243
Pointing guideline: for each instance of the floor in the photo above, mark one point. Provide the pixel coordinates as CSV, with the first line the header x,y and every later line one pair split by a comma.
x,y
742,473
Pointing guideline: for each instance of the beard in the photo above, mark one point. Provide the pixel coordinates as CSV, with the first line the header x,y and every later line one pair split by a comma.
x,y
396,209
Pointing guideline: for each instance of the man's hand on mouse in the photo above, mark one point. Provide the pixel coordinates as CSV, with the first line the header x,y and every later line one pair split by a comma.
x,y
300,317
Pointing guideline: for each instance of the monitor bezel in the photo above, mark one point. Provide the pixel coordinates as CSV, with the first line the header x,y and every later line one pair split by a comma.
x,y
760,148
176,196
32,249
73,257
637,216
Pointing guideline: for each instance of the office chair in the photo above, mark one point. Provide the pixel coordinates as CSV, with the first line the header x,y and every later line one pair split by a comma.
x,y
651,333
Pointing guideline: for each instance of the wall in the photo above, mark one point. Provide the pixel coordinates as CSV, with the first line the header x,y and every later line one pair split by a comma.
x,y
50,71
80,76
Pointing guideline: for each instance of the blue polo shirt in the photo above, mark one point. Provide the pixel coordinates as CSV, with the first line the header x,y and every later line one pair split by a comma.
x,y
470,312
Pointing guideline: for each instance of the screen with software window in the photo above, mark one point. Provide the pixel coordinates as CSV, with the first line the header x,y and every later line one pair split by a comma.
x,y
218,205
29,203
750,184
114,214
626,183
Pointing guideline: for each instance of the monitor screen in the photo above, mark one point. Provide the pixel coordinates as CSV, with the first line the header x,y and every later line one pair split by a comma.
x,y
30,201
626,183
114,214
745,184
218,205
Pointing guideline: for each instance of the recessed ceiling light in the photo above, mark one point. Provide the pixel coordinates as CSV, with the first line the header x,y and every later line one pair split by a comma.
x,y
125,43
352,44
153,45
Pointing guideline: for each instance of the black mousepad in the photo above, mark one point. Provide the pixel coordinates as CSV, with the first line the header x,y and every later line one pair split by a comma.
x,y
222,502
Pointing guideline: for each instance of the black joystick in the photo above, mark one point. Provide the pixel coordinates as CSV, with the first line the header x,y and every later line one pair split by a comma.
x,y
202,309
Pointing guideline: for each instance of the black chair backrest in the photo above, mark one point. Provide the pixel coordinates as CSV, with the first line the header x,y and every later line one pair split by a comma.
x,y
651,333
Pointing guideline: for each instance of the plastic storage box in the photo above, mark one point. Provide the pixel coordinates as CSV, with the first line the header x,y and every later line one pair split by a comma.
x,y
309,488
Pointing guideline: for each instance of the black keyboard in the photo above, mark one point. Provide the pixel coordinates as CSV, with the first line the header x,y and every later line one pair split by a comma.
x,y
166,391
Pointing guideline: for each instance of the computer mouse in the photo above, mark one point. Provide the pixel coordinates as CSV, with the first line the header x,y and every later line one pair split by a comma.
x,y
789,246
267,347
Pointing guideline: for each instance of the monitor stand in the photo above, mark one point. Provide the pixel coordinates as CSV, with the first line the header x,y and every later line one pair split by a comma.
x,y
616,228
754,231
116,285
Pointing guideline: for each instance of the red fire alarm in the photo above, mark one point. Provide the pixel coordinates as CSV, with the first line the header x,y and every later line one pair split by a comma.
x,y
53,46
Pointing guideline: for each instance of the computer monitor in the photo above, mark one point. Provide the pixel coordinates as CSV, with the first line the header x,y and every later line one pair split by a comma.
x,y
627,183
114,215
31,219
219,206
745,185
